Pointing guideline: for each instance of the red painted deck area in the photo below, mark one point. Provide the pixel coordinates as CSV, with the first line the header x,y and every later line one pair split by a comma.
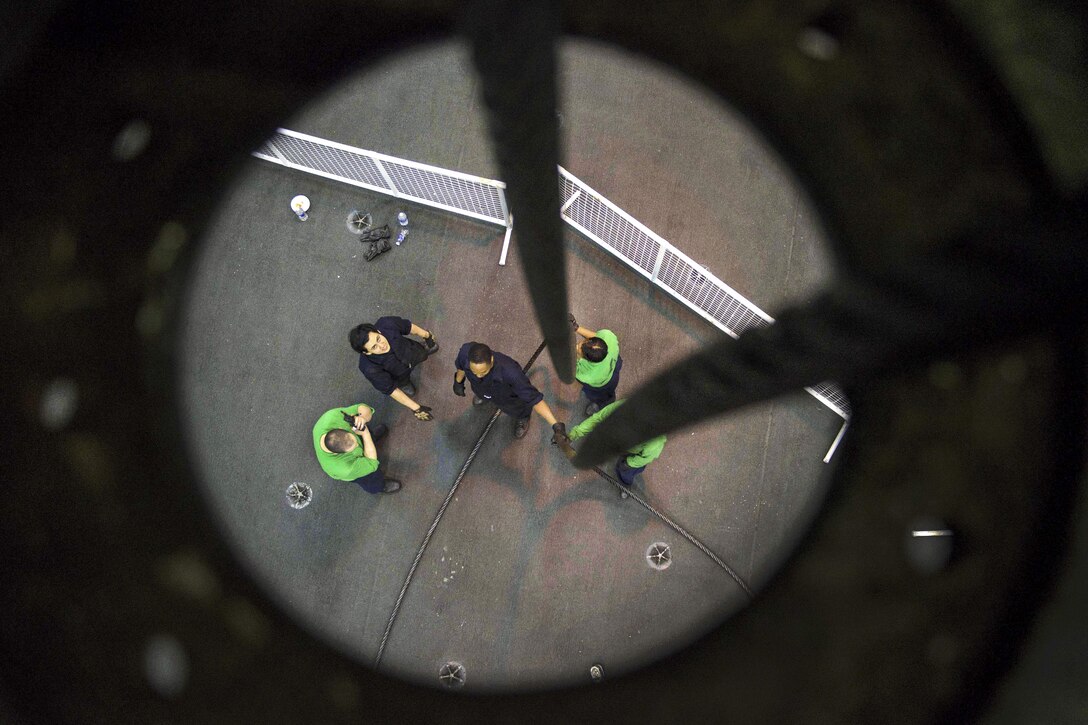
x,y
537,570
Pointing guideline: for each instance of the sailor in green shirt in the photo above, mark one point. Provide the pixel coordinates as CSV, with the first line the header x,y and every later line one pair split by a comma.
x,y
344,444
598,368
637,458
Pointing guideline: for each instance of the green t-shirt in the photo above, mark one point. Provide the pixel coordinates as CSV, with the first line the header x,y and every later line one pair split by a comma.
x,y
342,466
597,374
639,455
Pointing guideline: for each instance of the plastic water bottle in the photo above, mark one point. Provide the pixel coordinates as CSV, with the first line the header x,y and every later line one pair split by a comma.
x,y
299,205
402,219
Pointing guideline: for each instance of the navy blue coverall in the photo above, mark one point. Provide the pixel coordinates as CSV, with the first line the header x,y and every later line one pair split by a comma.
x,y
505,384
393,369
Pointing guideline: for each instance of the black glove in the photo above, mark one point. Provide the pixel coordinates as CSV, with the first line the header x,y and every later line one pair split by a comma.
x,y
374,235
373,249
573,321
458,386
350,420
423,413
431,344
559,436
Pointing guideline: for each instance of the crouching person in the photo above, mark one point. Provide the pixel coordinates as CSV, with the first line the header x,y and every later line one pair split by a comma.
x,y
637,457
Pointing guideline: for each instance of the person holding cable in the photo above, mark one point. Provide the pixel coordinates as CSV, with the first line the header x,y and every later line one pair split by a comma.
x,y
635,460
598,367
499,379
387,358
344,442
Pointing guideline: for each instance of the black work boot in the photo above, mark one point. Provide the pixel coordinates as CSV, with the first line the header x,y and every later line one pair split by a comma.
x,y
392,485
521,427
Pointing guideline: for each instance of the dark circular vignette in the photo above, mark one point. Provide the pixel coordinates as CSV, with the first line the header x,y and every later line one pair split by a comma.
x,y
898,140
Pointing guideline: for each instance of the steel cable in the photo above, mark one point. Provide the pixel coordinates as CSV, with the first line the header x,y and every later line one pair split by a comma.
x,y
513,50
678,529
438,517
981,289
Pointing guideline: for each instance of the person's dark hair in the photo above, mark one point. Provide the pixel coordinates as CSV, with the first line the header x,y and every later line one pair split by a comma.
x,y
338,441
358,336
479,353
595,349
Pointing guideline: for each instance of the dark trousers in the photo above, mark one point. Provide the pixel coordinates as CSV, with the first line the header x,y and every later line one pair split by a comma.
x,y
372,482
605,394
627,473
518,410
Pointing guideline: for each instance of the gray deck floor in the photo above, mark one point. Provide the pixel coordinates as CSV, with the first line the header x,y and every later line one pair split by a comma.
x,y
537,570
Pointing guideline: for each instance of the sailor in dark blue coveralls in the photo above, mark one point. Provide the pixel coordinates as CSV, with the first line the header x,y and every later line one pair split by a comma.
x,y
498,378
387,357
